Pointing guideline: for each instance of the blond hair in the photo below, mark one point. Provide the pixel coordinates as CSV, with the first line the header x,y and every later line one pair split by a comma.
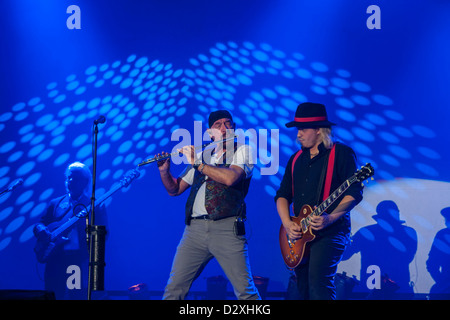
x,y
327,137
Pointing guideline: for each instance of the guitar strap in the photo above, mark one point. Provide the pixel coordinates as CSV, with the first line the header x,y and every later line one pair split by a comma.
x,y
65,215
330,168
322,178
292,169
329,176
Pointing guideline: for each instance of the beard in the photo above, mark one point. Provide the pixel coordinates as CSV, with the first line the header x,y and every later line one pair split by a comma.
x,y
224,139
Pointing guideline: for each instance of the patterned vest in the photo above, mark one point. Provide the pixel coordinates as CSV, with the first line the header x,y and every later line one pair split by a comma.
x,y
221,201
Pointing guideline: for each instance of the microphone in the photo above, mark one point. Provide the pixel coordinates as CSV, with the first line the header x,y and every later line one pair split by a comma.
x,y
14,185
100,119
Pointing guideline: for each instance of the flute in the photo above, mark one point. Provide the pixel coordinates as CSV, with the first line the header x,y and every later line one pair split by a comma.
x,y
150,160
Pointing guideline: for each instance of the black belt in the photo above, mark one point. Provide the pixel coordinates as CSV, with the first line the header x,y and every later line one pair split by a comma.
x,y
204,217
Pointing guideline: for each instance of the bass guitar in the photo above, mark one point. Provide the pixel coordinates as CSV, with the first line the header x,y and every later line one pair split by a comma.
x,y
59,229
293,251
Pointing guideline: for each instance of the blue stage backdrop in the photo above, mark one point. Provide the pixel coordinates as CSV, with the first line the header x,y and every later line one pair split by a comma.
x,y
151,67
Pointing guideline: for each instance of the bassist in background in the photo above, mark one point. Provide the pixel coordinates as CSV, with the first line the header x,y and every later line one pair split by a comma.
x,y
72,250
304,185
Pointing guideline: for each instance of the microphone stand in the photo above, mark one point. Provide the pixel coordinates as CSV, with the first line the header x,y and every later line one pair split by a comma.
x,y
95,234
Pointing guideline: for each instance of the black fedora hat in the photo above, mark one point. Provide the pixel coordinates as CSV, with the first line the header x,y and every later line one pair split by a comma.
x,y
446,213
310,115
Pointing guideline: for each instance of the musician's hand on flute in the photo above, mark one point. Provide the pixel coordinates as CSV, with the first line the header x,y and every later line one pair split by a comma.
x,y
163,165
189,152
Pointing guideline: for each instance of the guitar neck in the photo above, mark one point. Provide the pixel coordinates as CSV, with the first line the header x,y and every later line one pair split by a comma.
x,y
332,198
104,197
364,173
83,213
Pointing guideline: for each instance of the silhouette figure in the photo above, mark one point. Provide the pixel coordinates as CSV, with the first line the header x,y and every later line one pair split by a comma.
x,y
438,263
389,245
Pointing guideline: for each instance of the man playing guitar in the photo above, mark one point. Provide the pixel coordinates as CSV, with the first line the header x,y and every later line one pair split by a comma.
x,y
307,172
70,249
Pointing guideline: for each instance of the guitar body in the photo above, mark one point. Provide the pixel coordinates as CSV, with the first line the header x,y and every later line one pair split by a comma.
x,y
294,252
43,250
45,247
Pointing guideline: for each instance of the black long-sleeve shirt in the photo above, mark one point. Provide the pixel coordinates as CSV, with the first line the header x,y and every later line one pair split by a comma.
x,y
307,173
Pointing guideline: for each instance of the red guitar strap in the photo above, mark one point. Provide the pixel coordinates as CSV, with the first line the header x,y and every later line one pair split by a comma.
x,y
329,176
326,191
292,169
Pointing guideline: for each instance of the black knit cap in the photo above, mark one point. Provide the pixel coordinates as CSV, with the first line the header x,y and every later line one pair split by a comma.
x,y
219,114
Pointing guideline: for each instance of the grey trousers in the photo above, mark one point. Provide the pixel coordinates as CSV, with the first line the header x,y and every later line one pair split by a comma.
x,y
206,239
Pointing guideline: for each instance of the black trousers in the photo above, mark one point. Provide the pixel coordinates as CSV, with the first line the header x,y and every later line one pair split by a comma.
x,y
315,275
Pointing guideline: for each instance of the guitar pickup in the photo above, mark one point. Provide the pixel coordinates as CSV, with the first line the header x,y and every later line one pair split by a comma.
x,y
290,242
304,225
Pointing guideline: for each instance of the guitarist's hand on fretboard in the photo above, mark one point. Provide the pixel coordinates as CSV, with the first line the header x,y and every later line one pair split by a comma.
x,y
320,222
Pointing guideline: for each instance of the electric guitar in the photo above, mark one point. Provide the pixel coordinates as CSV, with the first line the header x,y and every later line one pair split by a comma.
x,y
60,229
293,251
